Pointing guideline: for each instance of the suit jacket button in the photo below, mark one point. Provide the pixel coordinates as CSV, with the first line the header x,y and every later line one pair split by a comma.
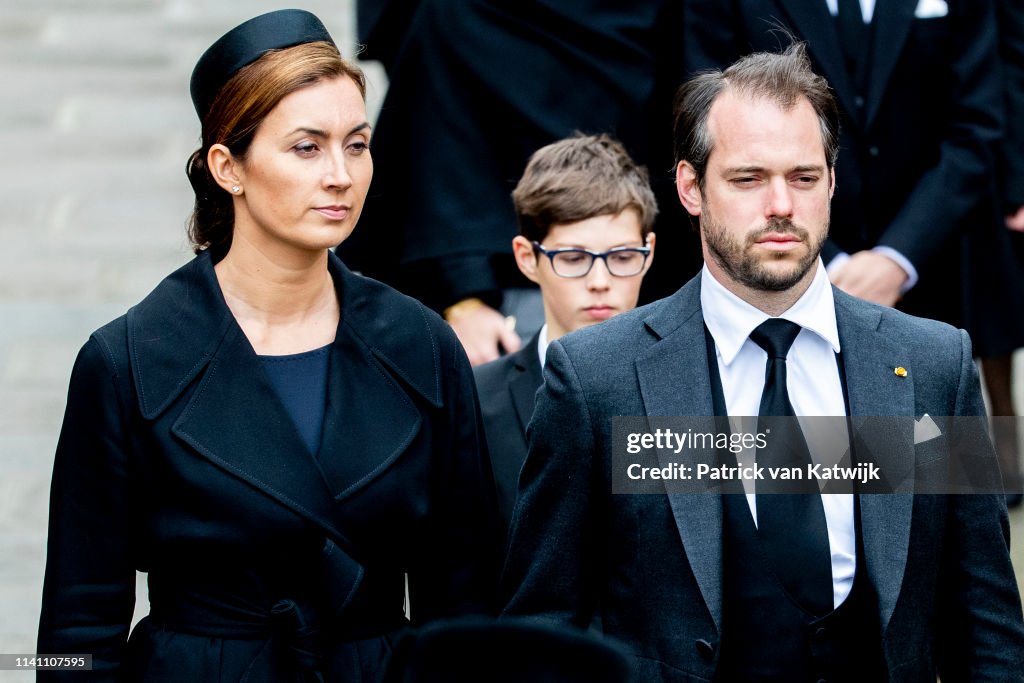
x,y
706,649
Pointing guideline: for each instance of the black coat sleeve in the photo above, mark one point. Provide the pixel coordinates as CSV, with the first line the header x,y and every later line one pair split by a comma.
x,y
458,564
89,587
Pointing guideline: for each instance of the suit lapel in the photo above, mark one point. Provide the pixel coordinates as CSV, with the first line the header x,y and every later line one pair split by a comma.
x,y
890,25
526,378
673,378
811,19
870,358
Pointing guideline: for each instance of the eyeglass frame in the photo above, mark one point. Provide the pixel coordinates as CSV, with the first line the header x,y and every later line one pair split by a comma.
x,y
645,251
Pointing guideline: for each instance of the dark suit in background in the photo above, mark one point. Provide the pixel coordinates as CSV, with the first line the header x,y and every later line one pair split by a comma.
x,y
381,27
507,388
943,591
918,135
478,86
999,369
1011,48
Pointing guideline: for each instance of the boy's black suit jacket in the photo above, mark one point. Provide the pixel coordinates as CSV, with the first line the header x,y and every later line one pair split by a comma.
x,y
507,388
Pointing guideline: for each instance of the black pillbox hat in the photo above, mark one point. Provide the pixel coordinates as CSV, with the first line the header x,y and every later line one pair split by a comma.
x,y
246,43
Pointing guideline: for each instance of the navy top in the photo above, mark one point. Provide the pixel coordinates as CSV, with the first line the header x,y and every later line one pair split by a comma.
x,y
301,383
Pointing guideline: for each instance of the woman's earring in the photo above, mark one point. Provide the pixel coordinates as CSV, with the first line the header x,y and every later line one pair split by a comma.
x,y
236,189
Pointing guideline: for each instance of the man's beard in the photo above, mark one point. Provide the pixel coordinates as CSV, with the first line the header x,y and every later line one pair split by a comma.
x,y
742,264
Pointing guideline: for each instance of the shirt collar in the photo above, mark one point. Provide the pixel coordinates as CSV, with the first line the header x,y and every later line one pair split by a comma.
x,y
730,319
542,344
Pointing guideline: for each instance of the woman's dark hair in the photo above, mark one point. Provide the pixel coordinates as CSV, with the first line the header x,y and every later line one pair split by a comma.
x,y
236,113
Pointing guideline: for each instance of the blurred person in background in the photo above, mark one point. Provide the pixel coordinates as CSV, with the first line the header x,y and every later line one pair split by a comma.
x,y
475,88
998,368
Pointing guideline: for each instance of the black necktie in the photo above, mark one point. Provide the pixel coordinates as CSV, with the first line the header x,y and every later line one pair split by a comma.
x,y
791,525
853,35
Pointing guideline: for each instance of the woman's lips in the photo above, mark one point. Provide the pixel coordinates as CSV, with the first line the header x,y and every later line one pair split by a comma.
x,y
335,213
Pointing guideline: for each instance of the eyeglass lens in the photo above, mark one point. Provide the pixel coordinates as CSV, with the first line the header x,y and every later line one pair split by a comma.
x,y
578,263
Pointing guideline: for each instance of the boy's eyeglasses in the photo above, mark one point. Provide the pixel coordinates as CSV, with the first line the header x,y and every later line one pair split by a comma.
x,y
620,262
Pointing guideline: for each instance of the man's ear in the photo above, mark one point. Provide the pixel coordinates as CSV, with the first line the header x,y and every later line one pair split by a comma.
x,y
831,182
224,168
526,257
649,242
687,188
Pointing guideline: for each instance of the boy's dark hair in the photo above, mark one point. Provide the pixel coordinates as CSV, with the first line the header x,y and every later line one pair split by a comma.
x,y
579,178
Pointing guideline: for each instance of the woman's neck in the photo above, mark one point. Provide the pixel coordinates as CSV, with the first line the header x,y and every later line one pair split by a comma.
x,y
284,303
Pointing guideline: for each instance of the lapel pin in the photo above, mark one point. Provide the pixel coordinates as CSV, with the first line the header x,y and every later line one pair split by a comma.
x,y
900,371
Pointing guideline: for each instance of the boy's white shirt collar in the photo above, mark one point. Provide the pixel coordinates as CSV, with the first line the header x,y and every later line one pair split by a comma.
x,y
542,344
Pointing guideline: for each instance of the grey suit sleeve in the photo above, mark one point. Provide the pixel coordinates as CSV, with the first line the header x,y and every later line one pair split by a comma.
x,y
552,548
981,629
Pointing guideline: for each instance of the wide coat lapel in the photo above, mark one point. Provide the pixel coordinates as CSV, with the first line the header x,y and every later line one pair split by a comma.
x,y
811,19
384,357
674,381
870,358
183,333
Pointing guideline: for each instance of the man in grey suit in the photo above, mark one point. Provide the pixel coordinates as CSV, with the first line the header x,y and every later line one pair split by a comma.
x,y
795,587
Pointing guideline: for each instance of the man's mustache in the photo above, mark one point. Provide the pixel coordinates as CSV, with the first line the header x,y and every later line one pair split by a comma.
x,y
782,226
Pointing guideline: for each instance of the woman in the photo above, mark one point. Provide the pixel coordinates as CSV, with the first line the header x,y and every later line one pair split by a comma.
x,y
279,443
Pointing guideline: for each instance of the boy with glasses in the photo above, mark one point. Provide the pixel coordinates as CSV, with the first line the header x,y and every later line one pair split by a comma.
x,y
585,212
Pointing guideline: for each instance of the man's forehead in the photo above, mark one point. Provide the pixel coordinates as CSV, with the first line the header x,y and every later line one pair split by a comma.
x,y
732,105
747,124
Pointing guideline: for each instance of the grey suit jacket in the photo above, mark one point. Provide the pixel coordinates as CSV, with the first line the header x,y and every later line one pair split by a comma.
x,y
947,598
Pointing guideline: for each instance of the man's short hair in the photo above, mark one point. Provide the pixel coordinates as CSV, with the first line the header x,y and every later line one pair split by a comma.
x,y
579,178
783,78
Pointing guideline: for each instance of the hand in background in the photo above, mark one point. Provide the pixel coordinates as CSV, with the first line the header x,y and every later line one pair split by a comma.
x,y
871,276
1015,221
481,329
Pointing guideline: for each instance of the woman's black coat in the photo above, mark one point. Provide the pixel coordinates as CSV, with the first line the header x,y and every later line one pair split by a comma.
x,y
177,458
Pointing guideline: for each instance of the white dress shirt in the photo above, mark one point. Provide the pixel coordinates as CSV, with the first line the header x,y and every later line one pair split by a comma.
x,y
813,382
